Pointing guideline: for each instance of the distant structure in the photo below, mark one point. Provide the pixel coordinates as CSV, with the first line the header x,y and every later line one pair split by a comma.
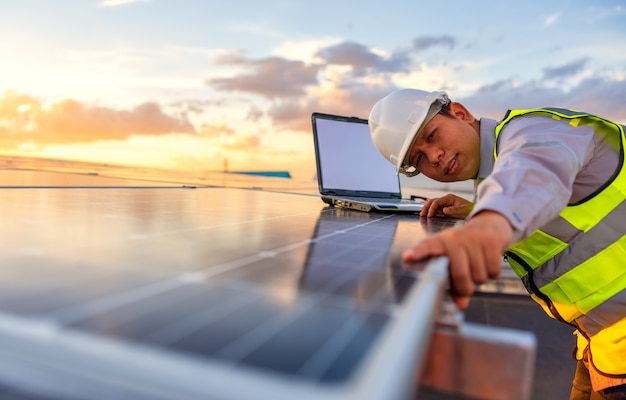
x,y
272,174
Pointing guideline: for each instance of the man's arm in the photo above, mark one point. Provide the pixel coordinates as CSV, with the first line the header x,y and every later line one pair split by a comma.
x,y
474,250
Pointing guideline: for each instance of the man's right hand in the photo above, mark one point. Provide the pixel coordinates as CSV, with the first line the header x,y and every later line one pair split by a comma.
x,y
448,205
474,250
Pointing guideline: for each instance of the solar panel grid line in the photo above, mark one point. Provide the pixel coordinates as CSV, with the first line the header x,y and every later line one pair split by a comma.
x,y
381,300
375,304
342,278
352,227
343,252
213,270
23,294
195,329
320,361
217,226
208,340
359,265
293,346
113,301
238,263
193,322
83,244
359,257
353,270
348,284
151,314
251,340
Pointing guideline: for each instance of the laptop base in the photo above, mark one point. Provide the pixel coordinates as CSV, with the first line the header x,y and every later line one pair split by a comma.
x,y
355,205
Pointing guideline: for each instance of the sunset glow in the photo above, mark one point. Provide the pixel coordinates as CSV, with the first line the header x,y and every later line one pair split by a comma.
x,y
202,86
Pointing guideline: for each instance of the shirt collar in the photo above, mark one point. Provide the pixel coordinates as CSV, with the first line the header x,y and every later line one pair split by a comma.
x,y
487,141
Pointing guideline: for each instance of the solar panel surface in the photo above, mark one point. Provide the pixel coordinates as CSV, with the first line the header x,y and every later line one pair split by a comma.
x,y
129,289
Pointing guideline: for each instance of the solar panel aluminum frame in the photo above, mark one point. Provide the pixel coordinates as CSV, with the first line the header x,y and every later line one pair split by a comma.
x,y
139,372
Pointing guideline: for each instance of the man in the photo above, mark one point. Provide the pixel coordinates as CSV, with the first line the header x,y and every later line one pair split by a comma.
x,y
550,193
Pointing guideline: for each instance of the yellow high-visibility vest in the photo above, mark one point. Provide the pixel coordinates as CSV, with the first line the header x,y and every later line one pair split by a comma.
x,y
575,265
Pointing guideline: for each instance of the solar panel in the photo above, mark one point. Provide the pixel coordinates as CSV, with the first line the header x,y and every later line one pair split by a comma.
x,y
212,292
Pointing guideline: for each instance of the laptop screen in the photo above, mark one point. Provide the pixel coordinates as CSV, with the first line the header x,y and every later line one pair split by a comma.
x,y
347,159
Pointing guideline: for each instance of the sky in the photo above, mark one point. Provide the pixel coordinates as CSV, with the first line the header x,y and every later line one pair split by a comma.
x,y
204,85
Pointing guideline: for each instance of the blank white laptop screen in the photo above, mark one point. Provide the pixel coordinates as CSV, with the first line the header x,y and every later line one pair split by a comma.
x,y
350,161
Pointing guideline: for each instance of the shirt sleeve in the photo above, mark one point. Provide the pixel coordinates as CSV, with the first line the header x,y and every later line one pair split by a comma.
x,y
532,178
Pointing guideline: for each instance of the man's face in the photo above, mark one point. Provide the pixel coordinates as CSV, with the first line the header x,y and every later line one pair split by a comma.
x,y
448,148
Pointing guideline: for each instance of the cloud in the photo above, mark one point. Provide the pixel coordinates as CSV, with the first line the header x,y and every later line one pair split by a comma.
x,y
602,97
425,42
209,130
599,96
24,118
224,137
360,58
600,13
116,3
296,91
244,142
551,20
271,77
254,114
566,70
349,100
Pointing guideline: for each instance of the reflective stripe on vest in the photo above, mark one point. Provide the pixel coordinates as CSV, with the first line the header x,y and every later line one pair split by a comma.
x,y
575,266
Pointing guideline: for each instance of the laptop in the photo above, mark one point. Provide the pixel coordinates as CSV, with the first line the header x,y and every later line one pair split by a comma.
x,y
351,173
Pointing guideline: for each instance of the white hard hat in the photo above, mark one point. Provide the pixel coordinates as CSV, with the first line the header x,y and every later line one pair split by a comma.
x,y
396,119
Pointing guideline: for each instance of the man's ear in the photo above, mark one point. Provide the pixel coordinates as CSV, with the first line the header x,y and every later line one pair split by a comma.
x,y
459,111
